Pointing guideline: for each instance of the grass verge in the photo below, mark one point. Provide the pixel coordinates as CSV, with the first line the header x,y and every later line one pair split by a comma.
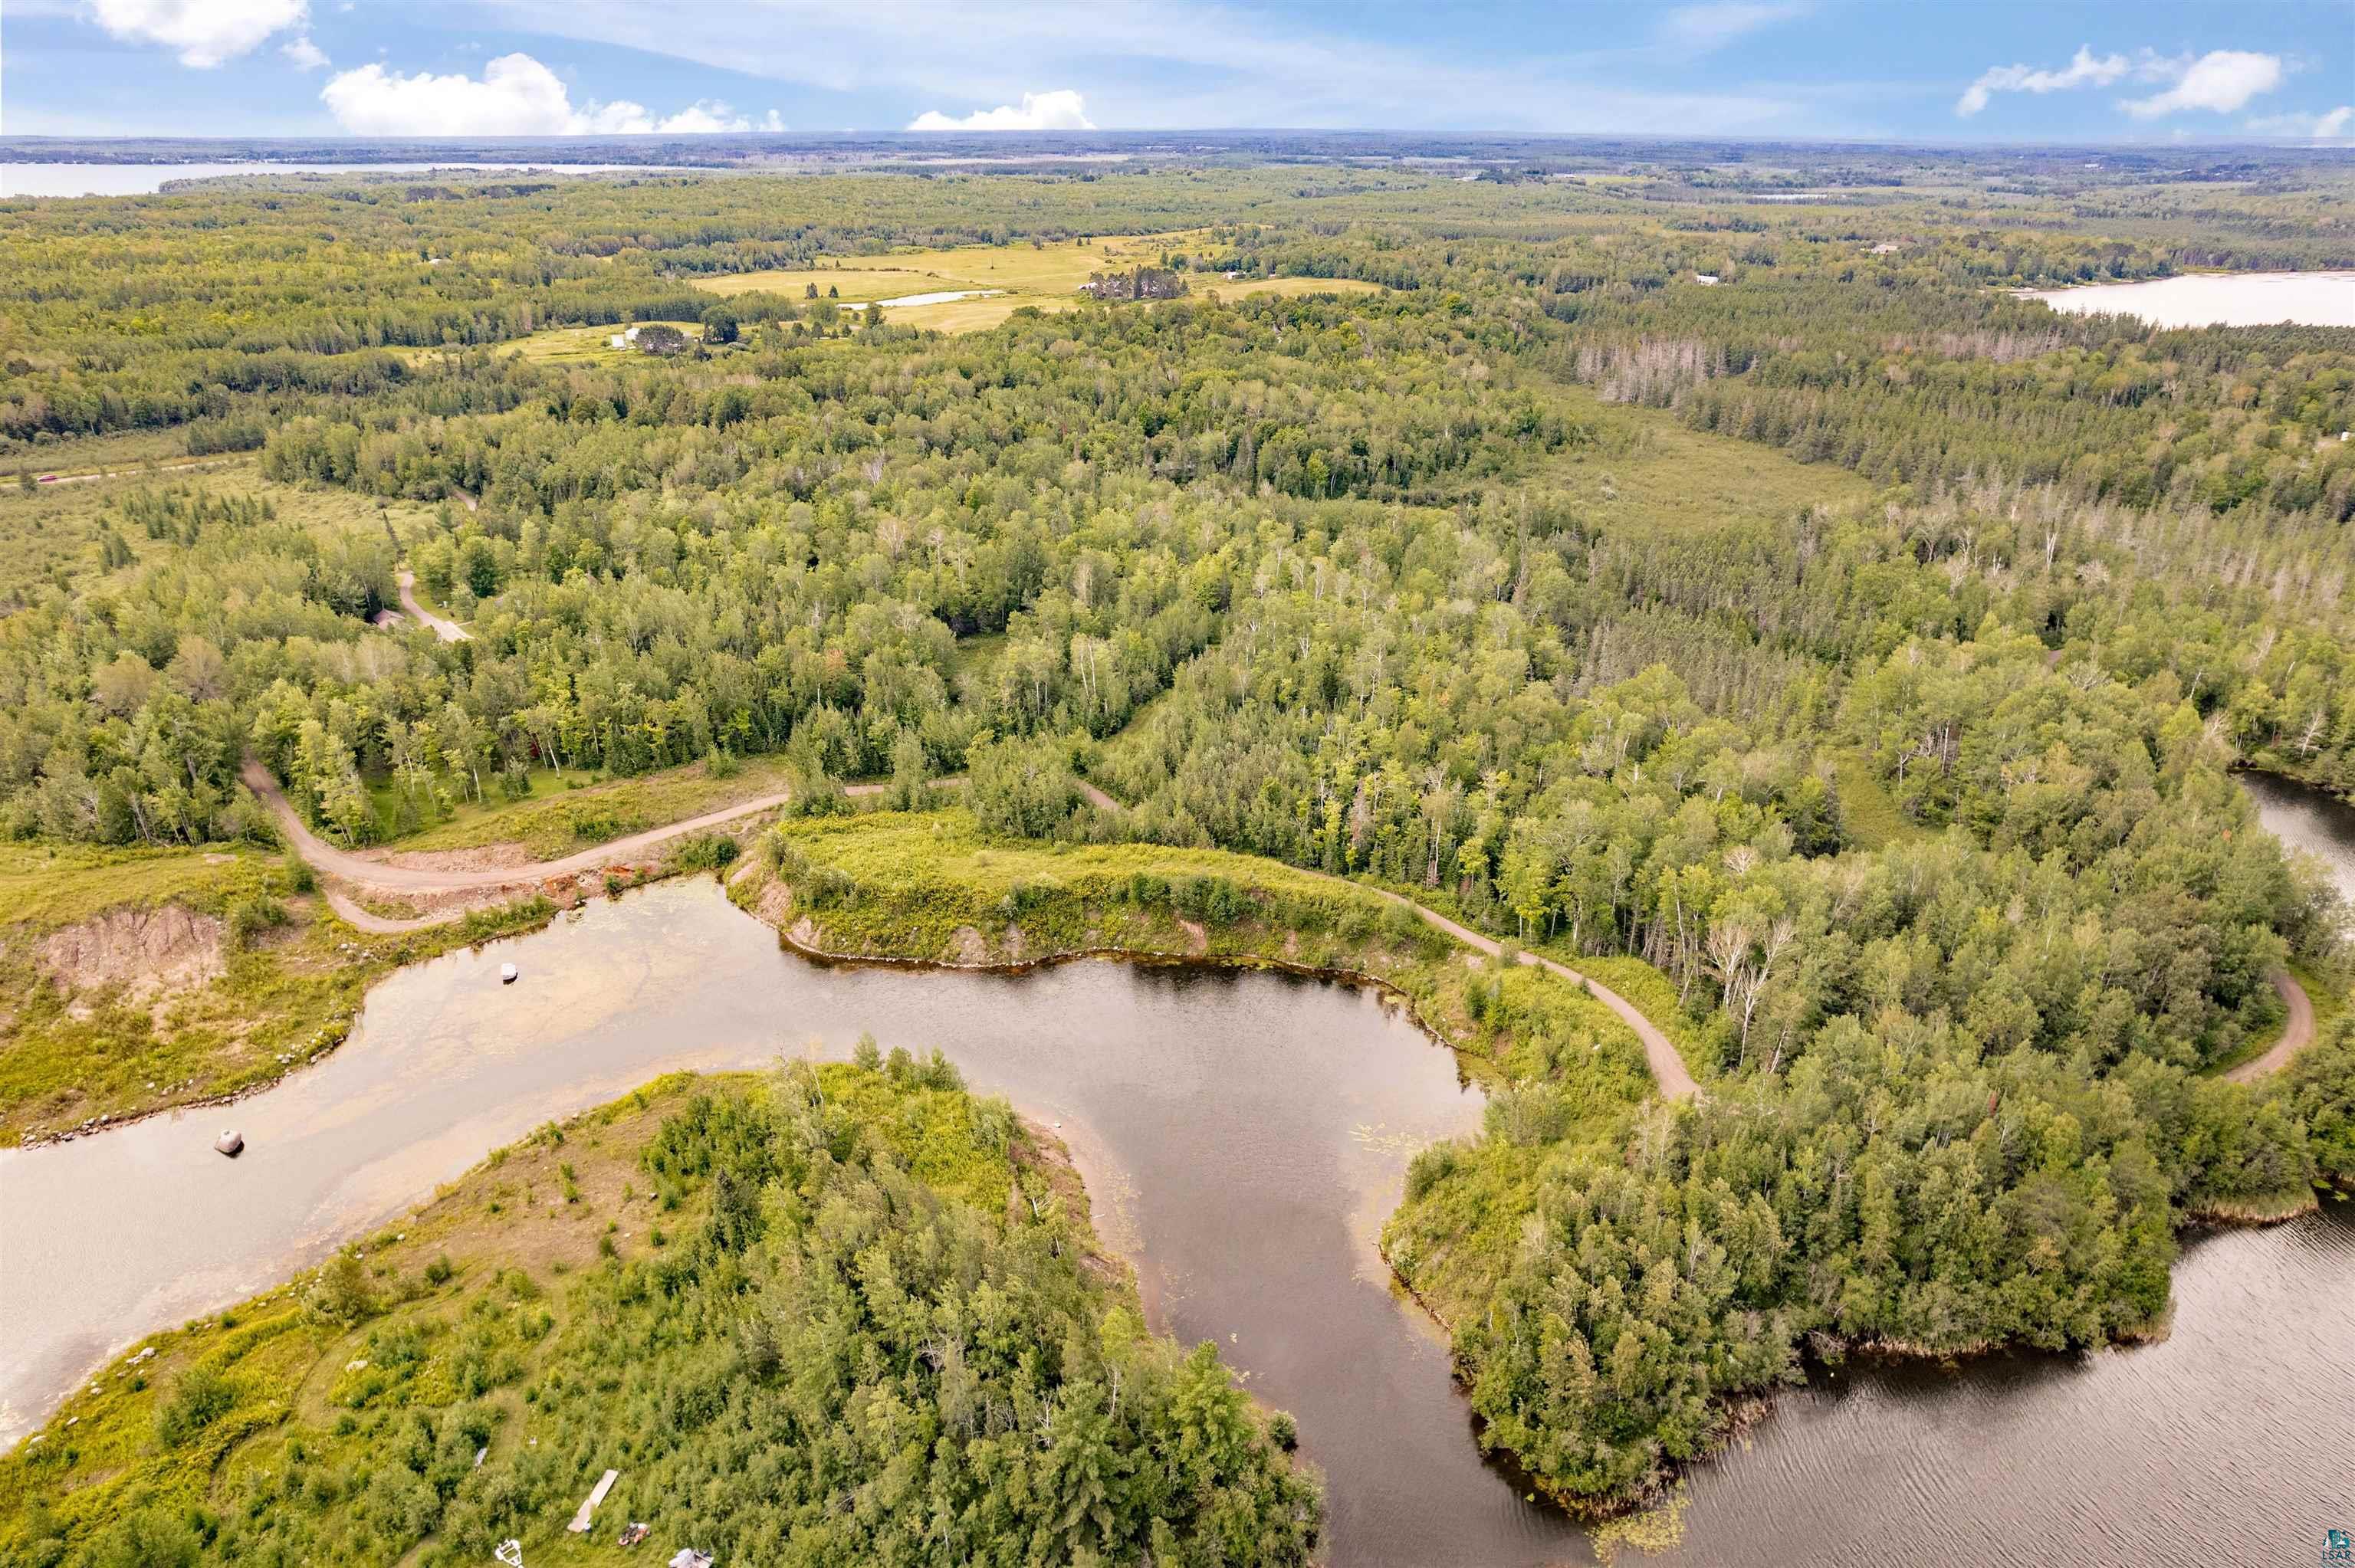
x,y
568,812
929,887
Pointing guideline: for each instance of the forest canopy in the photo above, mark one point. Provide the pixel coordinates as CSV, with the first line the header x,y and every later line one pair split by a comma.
x,y
1854,647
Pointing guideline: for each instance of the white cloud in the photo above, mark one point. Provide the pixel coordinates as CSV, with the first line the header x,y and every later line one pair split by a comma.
x,y
203,32
1194,63
2084,68
306,55
1061,109
2222,80
1709,26
2338,121
515,96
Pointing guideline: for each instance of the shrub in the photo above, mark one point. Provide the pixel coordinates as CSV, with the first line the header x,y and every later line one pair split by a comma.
x,y
202,1398
249,917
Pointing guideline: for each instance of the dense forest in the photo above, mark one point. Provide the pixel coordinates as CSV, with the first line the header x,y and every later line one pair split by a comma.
x,y
857,1319
1905,760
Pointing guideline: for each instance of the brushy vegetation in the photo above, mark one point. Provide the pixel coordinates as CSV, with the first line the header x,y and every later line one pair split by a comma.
x,y
1858,645
554,815
272,979
841,1314
909,884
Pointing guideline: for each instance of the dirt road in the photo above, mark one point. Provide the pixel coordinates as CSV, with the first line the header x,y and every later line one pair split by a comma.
x,y
329,861
447,630
130,473
2297,1034
1668,1065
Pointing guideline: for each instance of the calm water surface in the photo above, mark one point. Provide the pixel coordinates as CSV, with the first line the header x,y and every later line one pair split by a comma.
x,y
2304,818
1242,1137
144,179
2240,299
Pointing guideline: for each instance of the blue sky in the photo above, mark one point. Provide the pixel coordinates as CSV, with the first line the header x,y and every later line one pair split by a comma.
x,y
1921,70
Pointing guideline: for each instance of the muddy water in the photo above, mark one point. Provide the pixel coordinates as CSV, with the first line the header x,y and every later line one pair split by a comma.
x,y
1242,1137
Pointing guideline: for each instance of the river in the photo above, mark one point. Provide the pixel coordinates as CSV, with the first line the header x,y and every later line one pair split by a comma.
x,y
2213,299
1242,1137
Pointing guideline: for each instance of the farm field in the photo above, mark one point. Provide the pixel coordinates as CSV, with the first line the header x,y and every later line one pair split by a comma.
x,y
1044,277
587,345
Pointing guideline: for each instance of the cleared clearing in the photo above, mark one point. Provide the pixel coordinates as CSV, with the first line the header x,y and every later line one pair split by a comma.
x,y
588,344
1039,277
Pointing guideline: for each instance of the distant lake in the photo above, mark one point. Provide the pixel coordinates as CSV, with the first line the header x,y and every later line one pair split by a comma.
x,y
144,179
2207,299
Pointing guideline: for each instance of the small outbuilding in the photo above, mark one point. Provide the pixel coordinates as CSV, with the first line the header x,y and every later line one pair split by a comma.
x,y
689,1558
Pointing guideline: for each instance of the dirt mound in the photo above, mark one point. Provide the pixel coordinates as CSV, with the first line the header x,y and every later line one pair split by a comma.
x,y
164,948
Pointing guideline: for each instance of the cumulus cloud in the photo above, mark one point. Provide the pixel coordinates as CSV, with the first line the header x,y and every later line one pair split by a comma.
x,y
2338,121
2221,80
515,96
306,55
204,32
2084,68
1061,109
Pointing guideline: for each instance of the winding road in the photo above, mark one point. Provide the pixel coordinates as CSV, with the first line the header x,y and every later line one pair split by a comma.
x,y
1668,1065
341,864
447,630
1668,1062
2297,1034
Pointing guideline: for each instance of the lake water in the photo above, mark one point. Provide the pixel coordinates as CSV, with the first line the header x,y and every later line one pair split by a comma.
x,y
942,297
2311,819
143,179
2239,299
1242,1137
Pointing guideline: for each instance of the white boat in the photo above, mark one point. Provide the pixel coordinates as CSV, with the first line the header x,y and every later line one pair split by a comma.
x,y
507,973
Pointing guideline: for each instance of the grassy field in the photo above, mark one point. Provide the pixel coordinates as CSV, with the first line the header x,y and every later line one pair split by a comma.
x,y
1648,471
134,980
97,454
586,346
53,531
1868,811
572,811
1057,267
1042,277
